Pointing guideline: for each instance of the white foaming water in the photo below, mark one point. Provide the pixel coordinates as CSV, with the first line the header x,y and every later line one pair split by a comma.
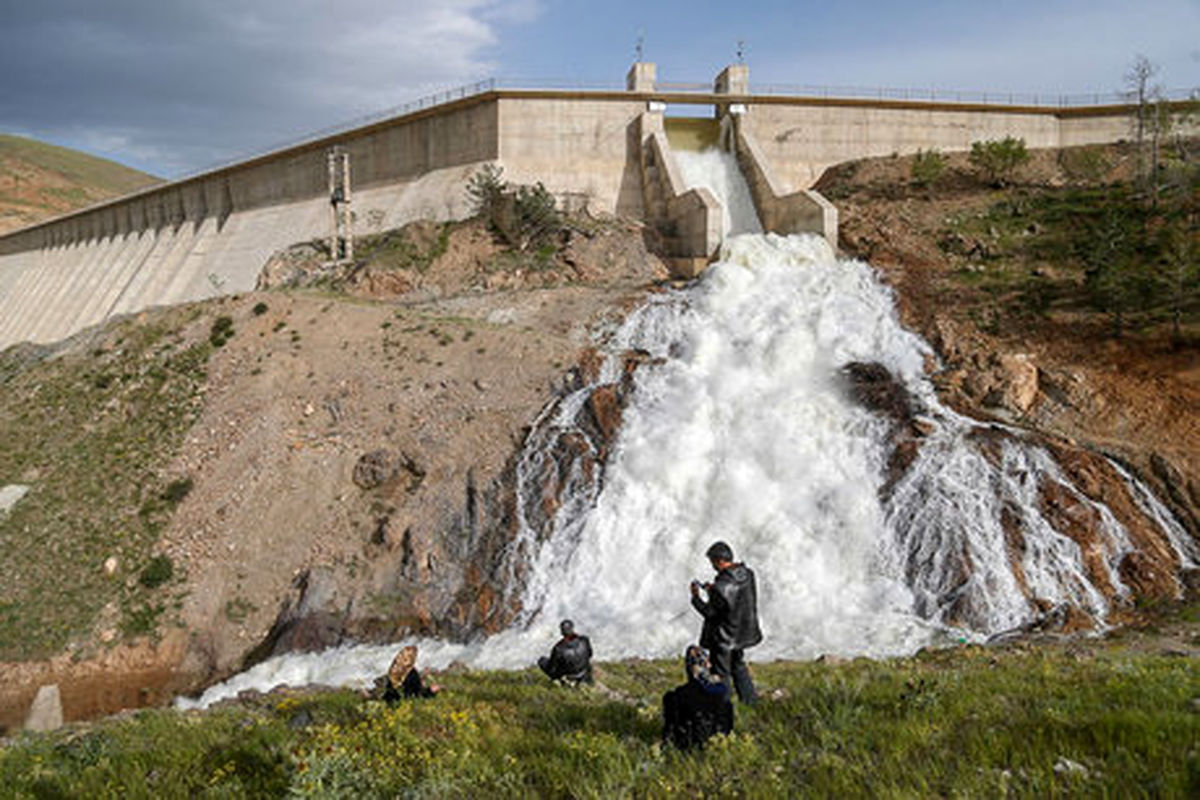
x,y
739,429
718,172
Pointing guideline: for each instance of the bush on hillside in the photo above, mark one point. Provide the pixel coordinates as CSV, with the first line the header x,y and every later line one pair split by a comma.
x,y
158,571
927,167
999,159
484,189
525,217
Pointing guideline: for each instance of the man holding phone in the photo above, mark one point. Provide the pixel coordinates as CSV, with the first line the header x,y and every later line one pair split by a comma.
x,y
730,618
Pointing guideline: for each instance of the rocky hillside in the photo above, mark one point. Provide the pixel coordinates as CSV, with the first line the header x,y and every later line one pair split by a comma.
x,y
39,180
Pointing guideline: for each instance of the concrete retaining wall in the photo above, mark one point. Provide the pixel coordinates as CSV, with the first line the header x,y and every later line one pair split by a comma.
x,y
779,211
802,140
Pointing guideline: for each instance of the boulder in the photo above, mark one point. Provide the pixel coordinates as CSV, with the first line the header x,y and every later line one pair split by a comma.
x,y
9,495
1019,377
375,469
46,713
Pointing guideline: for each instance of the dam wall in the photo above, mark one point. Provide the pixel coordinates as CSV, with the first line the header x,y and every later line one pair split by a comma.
x,y
211,234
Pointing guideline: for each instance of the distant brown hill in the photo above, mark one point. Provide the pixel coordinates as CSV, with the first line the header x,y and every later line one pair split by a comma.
x,y
39,180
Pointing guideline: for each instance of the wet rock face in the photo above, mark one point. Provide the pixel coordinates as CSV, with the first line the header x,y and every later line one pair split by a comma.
x,y
871,386
313,620
560,478
1151,567
1124,557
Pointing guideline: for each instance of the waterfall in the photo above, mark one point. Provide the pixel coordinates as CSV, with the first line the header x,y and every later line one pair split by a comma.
x,y
740,428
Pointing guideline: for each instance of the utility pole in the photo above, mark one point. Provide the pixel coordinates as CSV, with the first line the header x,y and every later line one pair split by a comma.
x,y
341,241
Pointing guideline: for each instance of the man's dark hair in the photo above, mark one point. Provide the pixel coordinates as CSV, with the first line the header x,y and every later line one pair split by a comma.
x,y
567,627
720,552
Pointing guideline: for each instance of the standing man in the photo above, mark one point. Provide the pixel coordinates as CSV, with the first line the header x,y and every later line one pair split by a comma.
x,y
570,659
730,618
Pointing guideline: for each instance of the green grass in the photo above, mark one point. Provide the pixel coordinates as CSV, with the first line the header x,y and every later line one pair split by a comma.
x,y
961,723
91,434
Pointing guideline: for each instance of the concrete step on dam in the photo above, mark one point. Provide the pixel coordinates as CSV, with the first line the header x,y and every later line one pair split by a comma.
x,y
610,151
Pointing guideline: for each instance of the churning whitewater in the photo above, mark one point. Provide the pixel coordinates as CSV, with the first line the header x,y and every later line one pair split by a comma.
x,y
740,428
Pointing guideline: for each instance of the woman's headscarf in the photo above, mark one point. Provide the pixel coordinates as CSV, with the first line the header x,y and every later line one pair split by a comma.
x,y
402,664
700,671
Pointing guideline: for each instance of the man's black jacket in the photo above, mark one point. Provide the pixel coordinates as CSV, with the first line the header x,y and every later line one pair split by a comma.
x,y
731,613
571,658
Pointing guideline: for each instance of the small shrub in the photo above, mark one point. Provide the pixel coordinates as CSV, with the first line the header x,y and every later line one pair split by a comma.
x,y
177,490
484,189
528,219
259,309
927,167
221,332
999,159
157,572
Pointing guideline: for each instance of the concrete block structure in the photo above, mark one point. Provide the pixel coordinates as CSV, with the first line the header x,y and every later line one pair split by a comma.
x,y
608,151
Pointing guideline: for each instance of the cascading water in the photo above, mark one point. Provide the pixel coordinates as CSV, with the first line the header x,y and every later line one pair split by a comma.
x,y
740,428
719,173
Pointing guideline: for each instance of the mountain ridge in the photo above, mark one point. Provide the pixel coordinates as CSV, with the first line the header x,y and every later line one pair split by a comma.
x,y
39,180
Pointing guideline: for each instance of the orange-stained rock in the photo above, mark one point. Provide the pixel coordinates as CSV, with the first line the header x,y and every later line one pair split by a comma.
x,y
1153,572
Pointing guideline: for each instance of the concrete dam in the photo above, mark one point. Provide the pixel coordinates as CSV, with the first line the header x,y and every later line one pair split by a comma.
x,y
608,151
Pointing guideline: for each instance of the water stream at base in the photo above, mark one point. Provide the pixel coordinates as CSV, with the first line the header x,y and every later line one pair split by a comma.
x,y
739,428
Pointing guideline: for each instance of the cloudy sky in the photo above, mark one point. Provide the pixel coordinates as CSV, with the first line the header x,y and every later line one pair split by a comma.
x,y
170,86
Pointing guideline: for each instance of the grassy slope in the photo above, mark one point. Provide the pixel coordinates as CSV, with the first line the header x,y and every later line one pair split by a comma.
x,y
39,180
91,431
971,722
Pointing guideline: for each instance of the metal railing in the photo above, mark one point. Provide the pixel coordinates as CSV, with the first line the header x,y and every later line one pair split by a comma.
x,y
1048,100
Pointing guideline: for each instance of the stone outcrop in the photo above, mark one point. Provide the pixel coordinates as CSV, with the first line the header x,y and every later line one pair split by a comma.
x,y
45,713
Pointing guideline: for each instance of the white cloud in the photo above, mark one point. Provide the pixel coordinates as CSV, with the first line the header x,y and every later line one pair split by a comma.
x,y
187,81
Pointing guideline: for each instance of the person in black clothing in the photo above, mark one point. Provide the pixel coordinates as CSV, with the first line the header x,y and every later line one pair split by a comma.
x,y
694,712
570,659
403,680
730,618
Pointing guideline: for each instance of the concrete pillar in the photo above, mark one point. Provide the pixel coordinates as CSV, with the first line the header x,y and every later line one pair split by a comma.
x,y
341,240
735,80
641,77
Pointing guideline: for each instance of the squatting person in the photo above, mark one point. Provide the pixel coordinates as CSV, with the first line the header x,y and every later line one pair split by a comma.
x,y
570,659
